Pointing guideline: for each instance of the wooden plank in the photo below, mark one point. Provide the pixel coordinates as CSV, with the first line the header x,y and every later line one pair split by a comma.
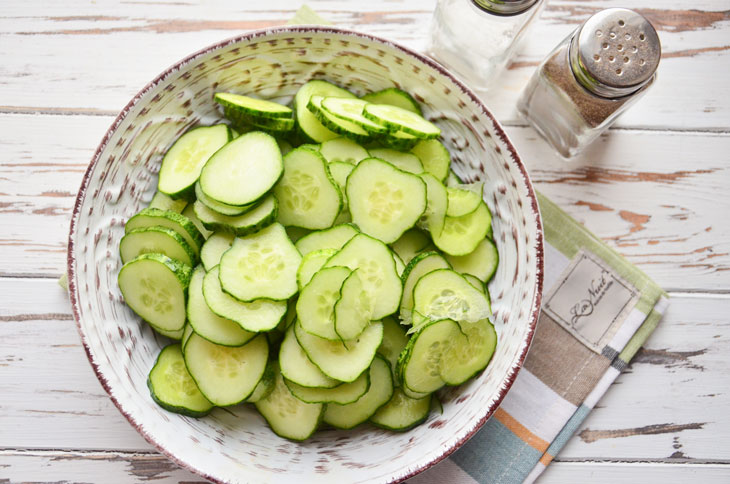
x,y
54,466
53,401
612,189
109,41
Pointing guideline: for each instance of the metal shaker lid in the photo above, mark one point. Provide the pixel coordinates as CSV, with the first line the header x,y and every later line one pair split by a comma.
x,y
504,7
615,52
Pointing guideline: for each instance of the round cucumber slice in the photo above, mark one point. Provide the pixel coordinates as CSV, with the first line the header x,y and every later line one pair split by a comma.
x,y
311,264
460,363
403,161
172,387
158,240
333,238
307,122
247,223
150,217
421,265
214,248
461,201
410,244
402,412
354,308
462,235
317,302
399,119
296,366
434,156
419,365
344,150
481,262
252,106
341,394
394,97
350,109
444,293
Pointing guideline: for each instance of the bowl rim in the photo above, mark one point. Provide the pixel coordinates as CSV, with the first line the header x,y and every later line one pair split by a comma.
x,y
516,160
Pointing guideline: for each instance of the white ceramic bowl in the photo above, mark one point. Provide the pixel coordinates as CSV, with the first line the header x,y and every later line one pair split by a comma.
x,y
234,444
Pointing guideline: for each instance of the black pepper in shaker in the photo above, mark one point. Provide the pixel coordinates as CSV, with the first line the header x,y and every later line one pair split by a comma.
x,y
590,78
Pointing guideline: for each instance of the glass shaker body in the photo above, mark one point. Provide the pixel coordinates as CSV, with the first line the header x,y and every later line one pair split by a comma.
x,y
475,43
570,107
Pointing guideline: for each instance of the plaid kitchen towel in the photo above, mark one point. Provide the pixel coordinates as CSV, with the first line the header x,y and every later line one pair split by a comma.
x,y
598,310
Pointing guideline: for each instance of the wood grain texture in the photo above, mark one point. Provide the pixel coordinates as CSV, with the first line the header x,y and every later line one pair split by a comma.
x,y
111,42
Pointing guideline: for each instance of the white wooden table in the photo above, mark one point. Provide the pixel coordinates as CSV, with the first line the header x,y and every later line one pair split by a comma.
x,y
655,188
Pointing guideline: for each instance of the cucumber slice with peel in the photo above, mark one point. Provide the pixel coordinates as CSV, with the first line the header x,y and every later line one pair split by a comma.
x,y
481,262
206,323
332,238
226,375
420,363
252,221
185,159
421,265
190,214
173,335
394,340
159,240
461,201
308,196
172,387
384,201
394,97
462,235
162,201
252,106
265,385
399,119
261,265
435,215
402,412
341,394
226,177
376,269
169,219
343,149
350,109
398,140
403,161
353,309
317,302
155,287
434,156
311,264
474,281
336,124
466,360
214,248
296,366
255,316
288,416
221,208
410,244
341,360
379,393
307,122
445,294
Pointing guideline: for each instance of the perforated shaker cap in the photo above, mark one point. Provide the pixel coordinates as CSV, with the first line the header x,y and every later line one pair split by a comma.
x,y
615,52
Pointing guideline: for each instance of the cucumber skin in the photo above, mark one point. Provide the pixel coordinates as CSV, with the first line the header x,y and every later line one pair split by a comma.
x,y
408,427
397,143
185,223
173,408
382,97
284,111
174,235
331,125
182,272
215,226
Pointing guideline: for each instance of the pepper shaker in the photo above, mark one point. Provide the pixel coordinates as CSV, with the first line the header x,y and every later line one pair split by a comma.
x,y
477,38
590,78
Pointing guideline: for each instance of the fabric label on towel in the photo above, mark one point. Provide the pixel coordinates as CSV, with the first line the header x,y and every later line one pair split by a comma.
x,y
590,300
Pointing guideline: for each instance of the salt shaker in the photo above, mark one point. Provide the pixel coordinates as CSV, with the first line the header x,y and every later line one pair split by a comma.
x,y
590,78
477,38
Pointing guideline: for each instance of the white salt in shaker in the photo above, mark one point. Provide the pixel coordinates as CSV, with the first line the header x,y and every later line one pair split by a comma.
x,y
477,38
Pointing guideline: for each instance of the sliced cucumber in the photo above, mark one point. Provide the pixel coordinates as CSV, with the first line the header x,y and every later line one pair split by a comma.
x,y
189,212
380,391
296,233
340,171
453,180
222,208
333,238
474,281
464,361
247,123
150,217
214,248
398,140
184,160
252,221
206,323
307,194
284,146
307,122
288,416
296,366
311,264
173,335
165,202
155,287
243,170
394,97
265,385
421,265
376,268
399,265
403,161
350,109
435,215
445,294
317,301
342,394
335,124
343,361
261,265
416,395
394,340
226,375
172,387
384,201
419,366
399,119
461,201
353,309
434,156
462,235
343,149
158,240
481,263
410,244
402,412
252,106
256,316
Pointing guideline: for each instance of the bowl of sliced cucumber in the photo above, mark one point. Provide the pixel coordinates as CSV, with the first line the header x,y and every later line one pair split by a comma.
x,y
306,253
